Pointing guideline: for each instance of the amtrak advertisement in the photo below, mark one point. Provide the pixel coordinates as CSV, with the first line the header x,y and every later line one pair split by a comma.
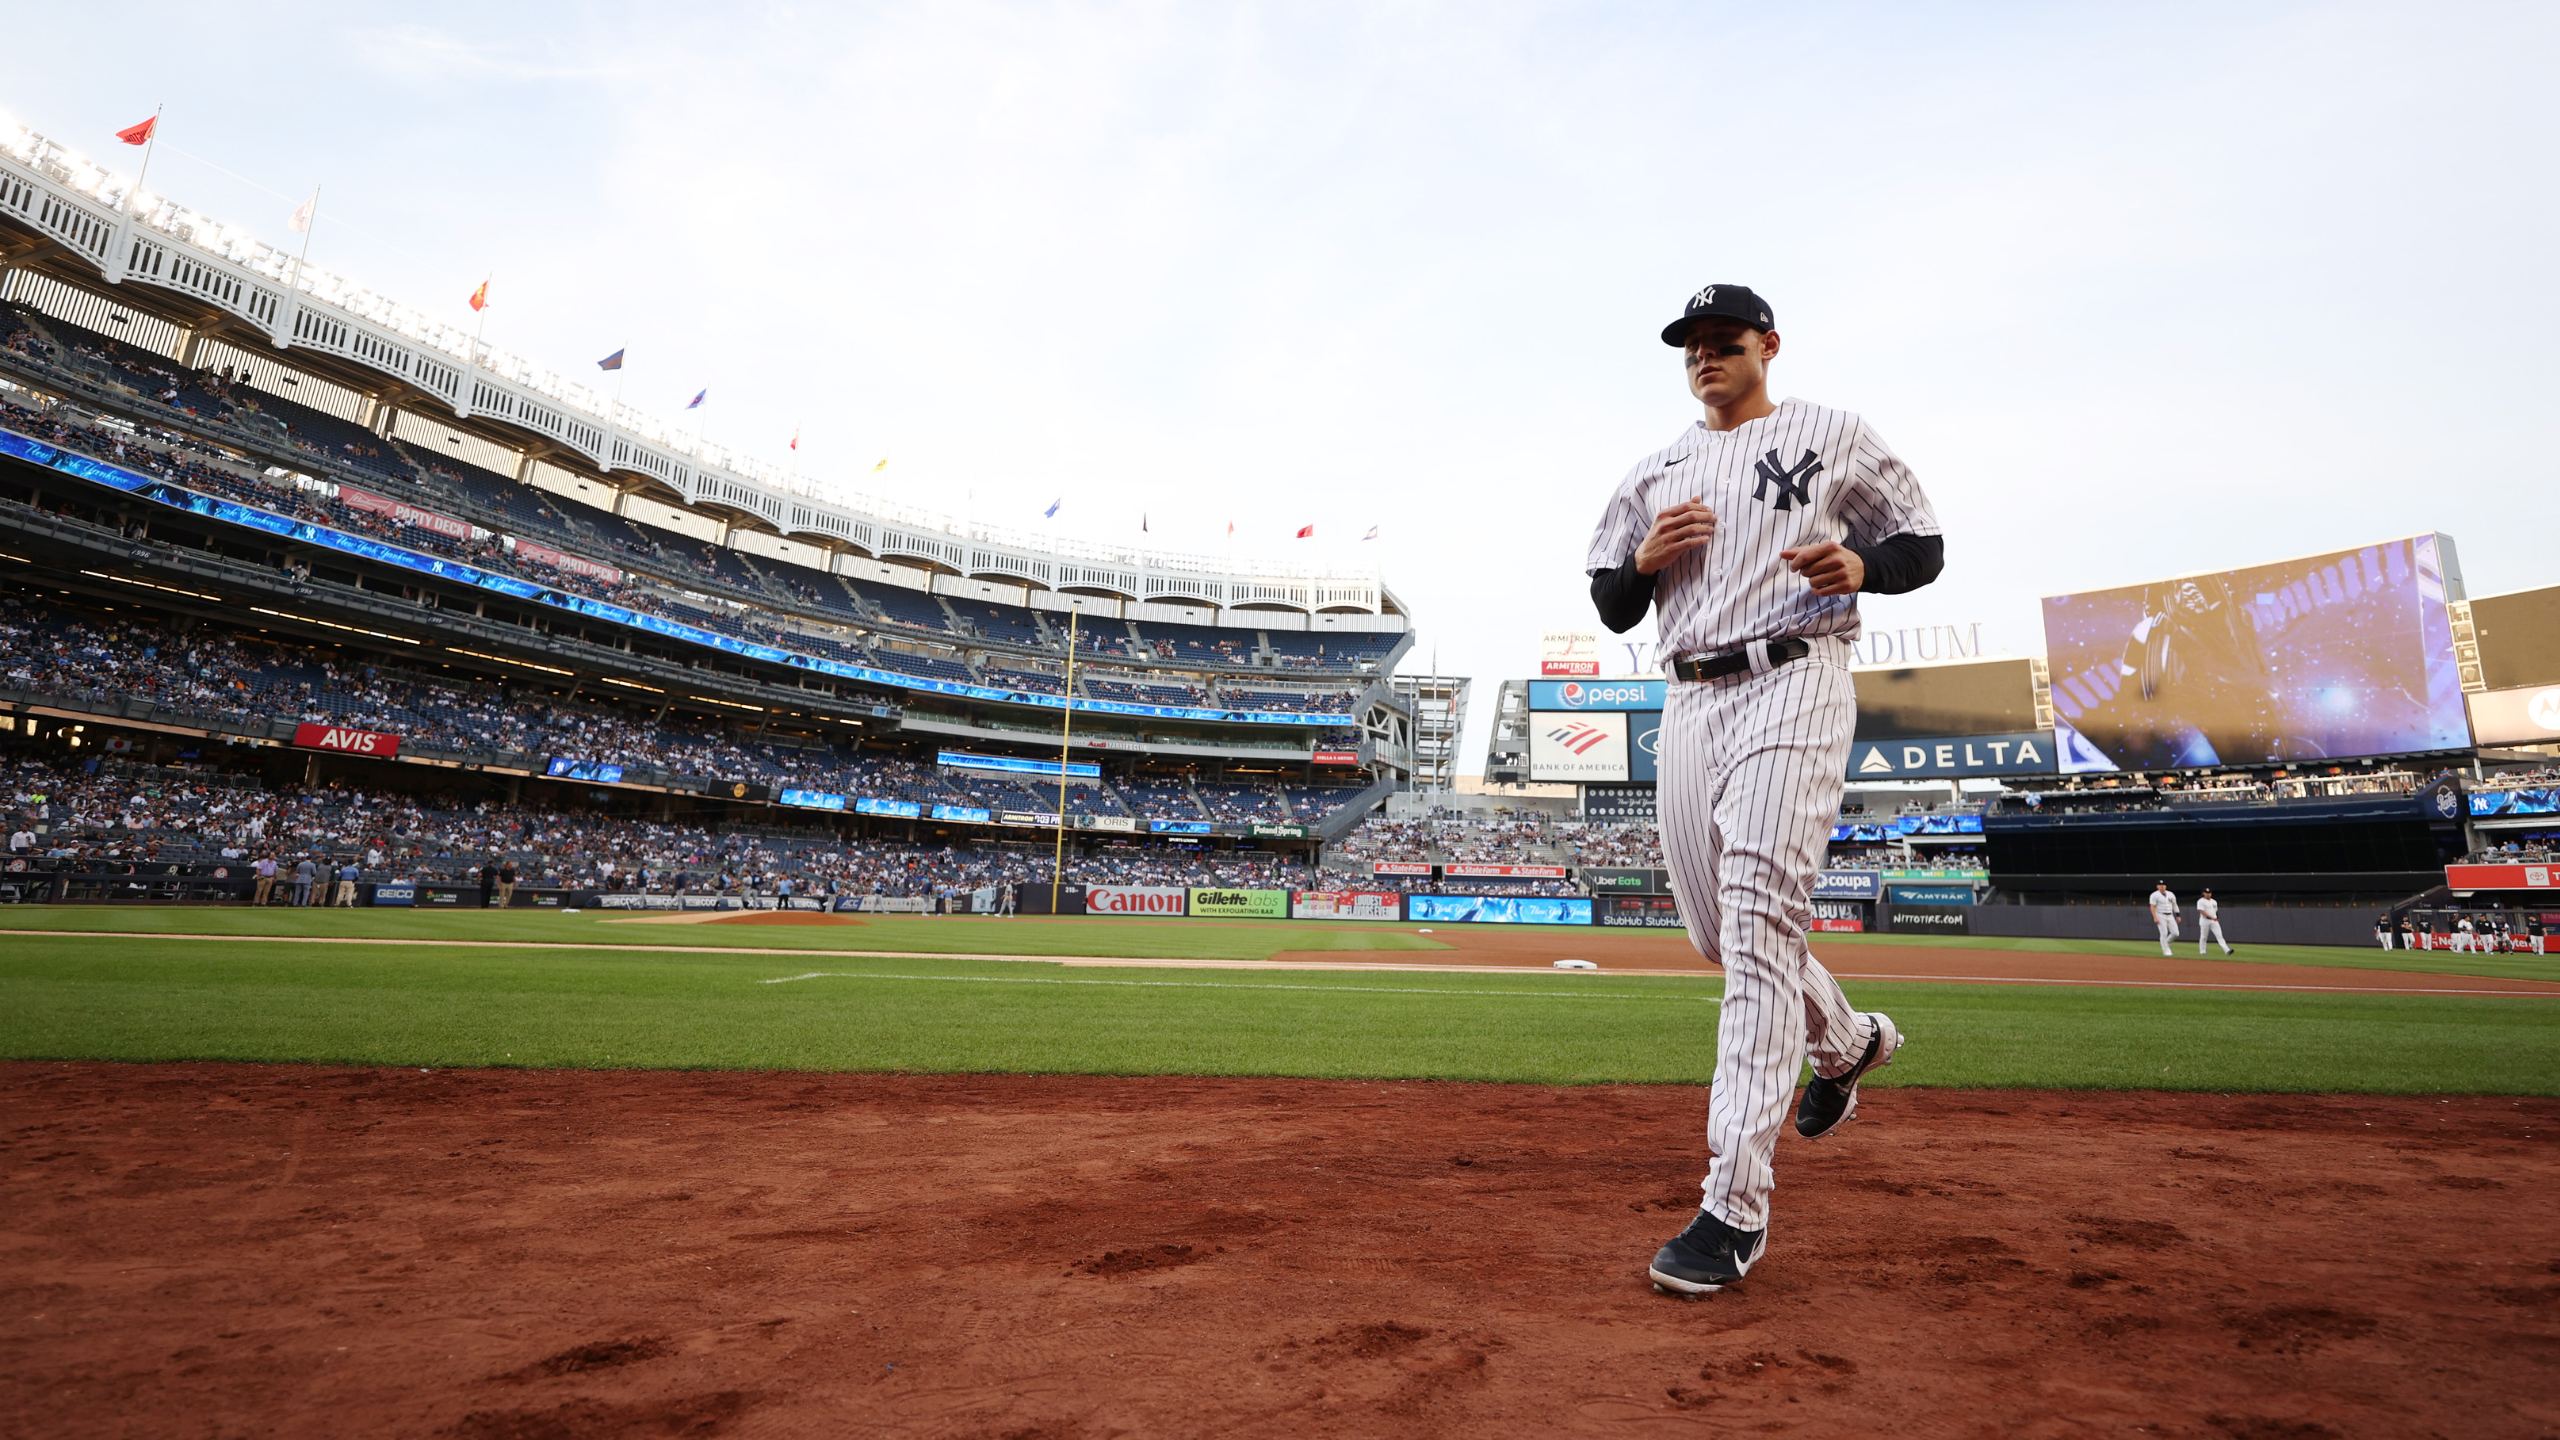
x,y
2348,653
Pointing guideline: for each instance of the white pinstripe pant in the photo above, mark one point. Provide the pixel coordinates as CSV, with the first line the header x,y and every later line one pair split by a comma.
x,y
1752,767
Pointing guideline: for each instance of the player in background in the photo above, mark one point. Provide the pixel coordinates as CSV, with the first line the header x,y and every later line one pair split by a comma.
x,y
2164,916
2382,931
1750,537
2209,922
2533,931
2462,933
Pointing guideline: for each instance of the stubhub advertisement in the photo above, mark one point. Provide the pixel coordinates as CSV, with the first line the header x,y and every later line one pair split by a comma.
x,y
1596,694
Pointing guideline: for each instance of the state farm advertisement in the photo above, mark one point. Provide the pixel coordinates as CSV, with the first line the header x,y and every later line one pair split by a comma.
x,y
366,500
1345,905
345,741
1133,900
1503,872
1401,867
561,560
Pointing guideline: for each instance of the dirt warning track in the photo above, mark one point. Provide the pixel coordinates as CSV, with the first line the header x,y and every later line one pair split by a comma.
x,y
300,1251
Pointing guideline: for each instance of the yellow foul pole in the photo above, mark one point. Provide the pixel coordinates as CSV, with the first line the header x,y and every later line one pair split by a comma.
x,y
1066,728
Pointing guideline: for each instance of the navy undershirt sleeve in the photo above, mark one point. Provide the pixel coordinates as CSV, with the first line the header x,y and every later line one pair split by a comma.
x,y
1900,564
1622,596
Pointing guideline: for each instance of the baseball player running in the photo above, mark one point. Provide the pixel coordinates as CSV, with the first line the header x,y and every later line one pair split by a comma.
x,y
2209,923
1750,536
2164,914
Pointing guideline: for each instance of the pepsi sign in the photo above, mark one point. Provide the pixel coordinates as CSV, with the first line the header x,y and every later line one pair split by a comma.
x,y
1596,694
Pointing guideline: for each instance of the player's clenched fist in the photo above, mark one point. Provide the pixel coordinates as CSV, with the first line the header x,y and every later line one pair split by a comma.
x,y
1832,569
1675,533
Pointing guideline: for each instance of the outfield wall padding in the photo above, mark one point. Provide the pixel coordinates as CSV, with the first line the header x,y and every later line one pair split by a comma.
x,y
2243,925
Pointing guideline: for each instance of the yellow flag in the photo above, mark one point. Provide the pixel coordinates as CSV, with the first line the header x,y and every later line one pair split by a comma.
x,y
883,465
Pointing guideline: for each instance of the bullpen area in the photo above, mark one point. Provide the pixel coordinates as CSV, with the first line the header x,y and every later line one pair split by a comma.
x,y
536,1174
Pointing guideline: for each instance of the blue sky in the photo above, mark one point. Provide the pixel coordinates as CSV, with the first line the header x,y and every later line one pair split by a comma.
x,y
2135,290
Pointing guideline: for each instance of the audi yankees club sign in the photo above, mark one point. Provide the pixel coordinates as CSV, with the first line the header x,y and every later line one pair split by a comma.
x,y
346,741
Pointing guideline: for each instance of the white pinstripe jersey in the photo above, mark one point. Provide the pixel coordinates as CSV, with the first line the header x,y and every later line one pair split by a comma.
x,y
1799,476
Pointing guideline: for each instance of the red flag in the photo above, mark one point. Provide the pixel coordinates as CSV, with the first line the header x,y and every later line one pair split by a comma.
x,y
480,297
1305,530
795,439
139,134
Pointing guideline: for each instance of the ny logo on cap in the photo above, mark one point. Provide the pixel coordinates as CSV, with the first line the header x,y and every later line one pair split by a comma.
x,y
1703,298
1793,485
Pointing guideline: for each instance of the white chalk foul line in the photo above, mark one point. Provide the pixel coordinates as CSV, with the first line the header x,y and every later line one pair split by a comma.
x,y
1221,985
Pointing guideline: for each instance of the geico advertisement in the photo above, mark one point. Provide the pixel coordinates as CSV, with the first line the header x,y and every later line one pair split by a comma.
x,y
1132,900
1571,747
1253,904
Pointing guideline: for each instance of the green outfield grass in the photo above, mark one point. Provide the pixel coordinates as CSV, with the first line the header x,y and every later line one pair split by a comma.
x,y
123,999
1142,939
1146,939
2361,957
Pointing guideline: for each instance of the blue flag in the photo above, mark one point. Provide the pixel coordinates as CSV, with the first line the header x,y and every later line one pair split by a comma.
x,y
696,402
1052,512
610,362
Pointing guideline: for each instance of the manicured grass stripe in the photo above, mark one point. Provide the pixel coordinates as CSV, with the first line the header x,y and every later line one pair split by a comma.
x,y
64,998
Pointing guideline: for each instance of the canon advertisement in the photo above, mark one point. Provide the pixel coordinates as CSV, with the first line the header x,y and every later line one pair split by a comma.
x,y
1134,900
2344,654
345,741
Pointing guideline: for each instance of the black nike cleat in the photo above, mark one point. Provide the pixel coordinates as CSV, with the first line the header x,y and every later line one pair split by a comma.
x,y
1706,1257
1829,1102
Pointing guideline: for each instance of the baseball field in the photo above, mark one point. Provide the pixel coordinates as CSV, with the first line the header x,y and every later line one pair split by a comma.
x,y
536,1174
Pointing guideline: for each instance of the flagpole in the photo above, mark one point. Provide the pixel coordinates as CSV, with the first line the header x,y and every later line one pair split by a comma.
x,y
121,260
1066,728
153,143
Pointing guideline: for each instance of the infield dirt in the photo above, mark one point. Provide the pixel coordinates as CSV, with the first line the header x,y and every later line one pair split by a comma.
x,y
229,1250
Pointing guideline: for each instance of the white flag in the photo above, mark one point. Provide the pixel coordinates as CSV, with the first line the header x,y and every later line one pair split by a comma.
x,y
301,221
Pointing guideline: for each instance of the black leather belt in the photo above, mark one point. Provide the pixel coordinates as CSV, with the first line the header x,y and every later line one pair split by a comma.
x,y
1716,667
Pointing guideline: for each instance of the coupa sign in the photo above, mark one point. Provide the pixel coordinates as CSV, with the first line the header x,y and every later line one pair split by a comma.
x,y
1132,900
345,741
2027,752
1847,884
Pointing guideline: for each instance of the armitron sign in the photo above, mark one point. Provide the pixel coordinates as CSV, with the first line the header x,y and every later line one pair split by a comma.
x,y
345,741
1133,900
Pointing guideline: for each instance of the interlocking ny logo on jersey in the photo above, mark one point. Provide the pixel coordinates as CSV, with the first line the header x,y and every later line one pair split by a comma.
x,y
1793,485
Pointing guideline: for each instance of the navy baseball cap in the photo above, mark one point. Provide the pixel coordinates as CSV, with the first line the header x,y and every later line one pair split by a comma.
x,y
1719,302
